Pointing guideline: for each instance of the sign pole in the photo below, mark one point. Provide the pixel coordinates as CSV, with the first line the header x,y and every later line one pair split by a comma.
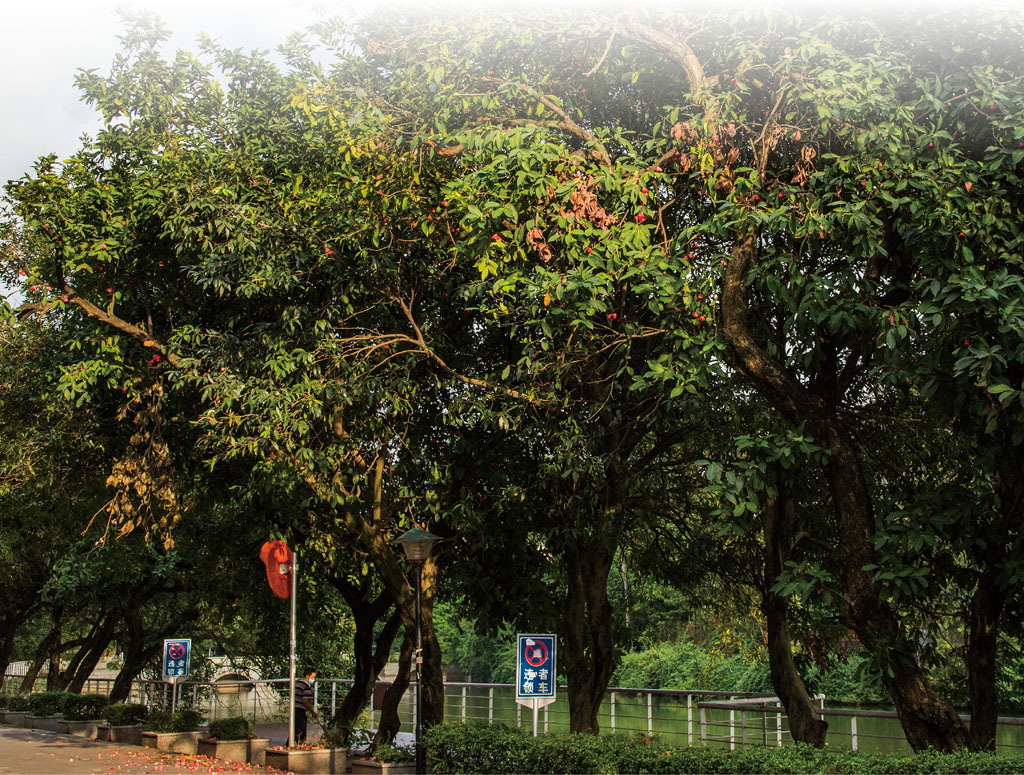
x,y
291,659
536,713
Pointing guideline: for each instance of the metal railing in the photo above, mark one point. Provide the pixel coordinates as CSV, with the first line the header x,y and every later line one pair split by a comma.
x,y
681,717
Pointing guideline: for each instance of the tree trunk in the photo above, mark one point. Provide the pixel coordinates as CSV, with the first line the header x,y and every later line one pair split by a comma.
x,y
588,656
6,650
983,632
54,679
135,660
84,648
370,657
627,597
987,604
927,719
389,723
389,565
432,667
43,651
14,614
91,654
805,725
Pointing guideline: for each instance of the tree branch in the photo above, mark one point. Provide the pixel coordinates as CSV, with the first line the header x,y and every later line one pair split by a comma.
x,y
673,49
94,312
420,343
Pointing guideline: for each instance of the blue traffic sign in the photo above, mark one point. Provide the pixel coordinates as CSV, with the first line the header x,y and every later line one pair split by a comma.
x,y
535,667
176,658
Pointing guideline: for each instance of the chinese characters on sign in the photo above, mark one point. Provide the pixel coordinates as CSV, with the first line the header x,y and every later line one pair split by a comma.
x,y
535,667
176,658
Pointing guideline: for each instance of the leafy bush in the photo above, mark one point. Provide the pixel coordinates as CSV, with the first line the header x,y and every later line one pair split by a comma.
x,y
17,703
461,748
394,753
234,728
82,707
687,665
856,679
125,714
179,721
690,666
46,703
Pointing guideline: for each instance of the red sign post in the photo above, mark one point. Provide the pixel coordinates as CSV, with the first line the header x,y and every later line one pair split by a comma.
x,y
278,558
280,562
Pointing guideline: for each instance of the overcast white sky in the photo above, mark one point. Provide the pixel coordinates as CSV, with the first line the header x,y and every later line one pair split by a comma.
x,y
45,42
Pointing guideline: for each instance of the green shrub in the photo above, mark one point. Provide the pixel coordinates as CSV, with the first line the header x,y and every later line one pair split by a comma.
x,y
690,666
234,728
125,714
461,748
82,707
46,703
17,703
179,721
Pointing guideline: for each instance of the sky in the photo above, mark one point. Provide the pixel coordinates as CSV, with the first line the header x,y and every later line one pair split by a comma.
x,y
45,42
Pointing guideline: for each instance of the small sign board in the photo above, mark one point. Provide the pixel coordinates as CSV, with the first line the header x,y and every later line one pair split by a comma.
x,y
177,653
535,667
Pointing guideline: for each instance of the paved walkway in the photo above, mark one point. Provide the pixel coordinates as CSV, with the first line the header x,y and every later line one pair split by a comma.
x,y
34,752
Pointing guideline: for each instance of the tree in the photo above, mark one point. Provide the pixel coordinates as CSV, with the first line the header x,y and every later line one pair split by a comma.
x,y
47,492
533,230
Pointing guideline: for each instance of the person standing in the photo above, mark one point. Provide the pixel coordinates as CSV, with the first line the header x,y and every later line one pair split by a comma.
x,y
304,703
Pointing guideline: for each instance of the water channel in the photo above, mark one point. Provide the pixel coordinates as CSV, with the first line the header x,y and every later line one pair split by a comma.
x,y
669,717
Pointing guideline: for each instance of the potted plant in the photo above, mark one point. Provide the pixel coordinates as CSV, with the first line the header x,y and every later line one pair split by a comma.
x,y
45,710
83,713
385,760
175,732
17,710
124,723
326,756
231,739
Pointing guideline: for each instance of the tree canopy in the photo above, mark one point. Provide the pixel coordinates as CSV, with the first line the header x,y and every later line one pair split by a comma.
x,y
559,284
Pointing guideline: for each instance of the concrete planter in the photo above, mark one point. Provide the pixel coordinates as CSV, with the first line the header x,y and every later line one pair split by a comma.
x,y
313,761
252,750
44,723
126,735
78,728
176,742
16,718
371,767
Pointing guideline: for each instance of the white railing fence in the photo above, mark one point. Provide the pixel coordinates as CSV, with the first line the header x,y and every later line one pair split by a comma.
x,y
681,717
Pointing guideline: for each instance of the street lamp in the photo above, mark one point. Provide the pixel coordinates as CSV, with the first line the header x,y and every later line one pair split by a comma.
x,y
417,543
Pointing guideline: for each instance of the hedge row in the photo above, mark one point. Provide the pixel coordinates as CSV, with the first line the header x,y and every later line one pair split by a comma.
x,y
462,748
74,707
164,720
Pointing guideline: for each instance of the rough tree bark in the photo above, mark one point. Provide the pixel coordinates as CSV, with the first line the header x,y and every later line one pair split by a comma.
x,y
43,651
986,610
89,655
805,725
14,611
368,530
371,654
927,719
588,655
389,723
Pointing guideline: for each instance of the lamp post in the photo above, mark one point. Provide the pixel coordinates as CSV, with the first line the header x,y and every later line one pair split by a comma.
x,y
417,543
